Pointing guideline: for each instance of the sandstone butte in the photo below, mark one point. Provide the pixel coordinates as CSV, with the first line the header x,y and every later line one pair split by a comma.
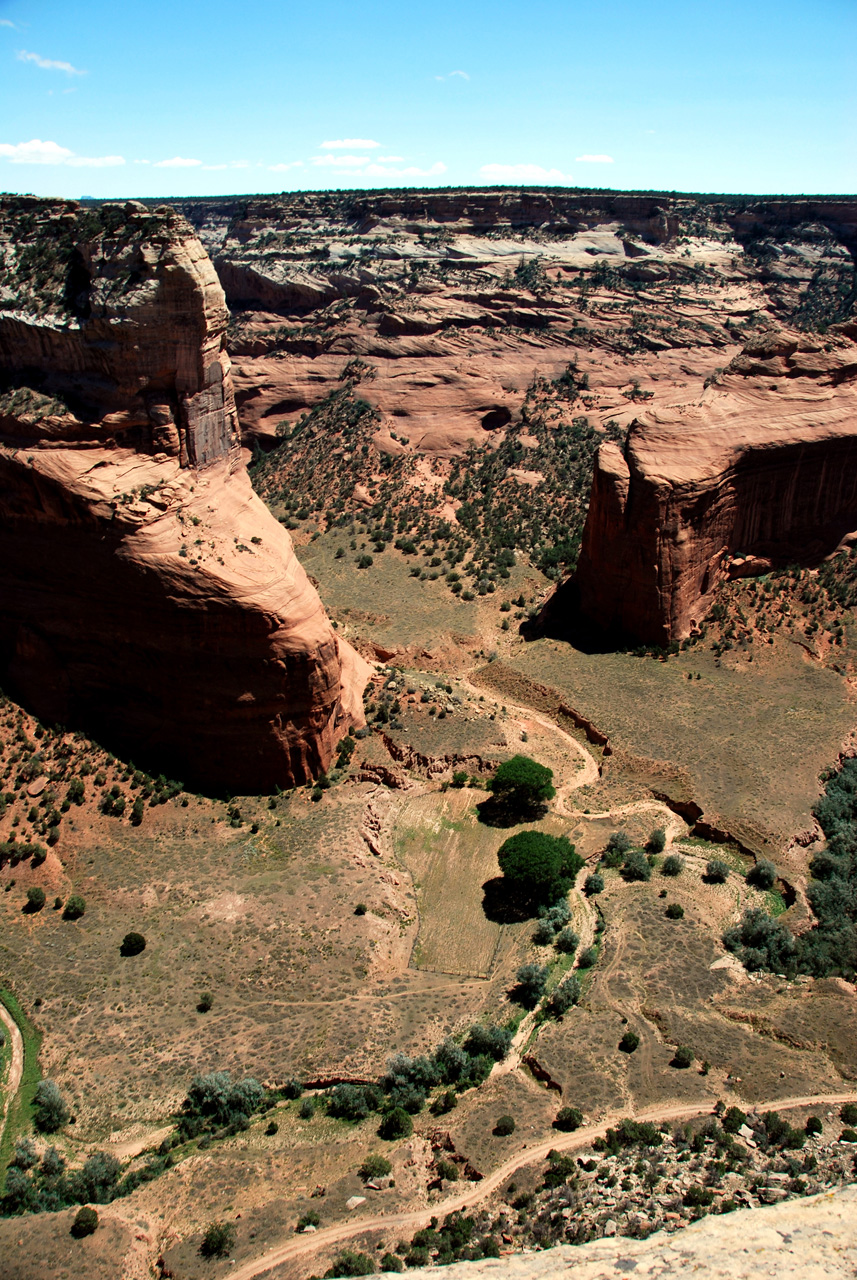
x,y
146,594
760,472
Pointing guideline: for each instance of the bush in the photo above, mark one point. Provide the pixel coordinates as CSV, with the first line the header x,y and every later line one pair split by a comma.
x,y
522,784
504,1127
629,1042
813,1126
566,941
674,911
348,1102
51,1112
396,1125
683,1057
698,1197
568,1119
848,1135
848,1113
306,1110
587,958
733,1118
390,1262
447,1170
132,944
35,899
673,865
618,844
762,874
761,942
271,1128
593,884
74,908
85,1222
717,871
374,1167
363,562
540,867
565,995
656,843
309,1219
218,1240
206,1000
636,867
531,980
214,1100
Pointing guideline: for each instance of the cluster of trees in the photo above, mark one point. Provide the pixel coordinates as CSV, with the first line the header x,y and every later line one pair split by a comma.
x,y
216,1105
45,1185
539,869
830,947
404,1088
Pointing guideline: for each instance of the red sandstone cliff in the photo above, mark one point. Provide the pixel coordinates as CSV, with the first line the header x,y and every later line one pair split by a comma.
x,y
761,472
146,594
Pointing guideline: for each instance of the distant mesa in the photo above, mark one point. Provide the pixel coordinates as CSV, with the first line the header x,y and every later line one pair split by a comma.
x,y
760,473
146,593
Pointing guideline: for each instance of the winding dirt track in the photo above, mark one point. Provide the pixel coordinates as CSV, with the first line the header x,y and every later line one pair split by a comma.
x,y
299,1245
16,1069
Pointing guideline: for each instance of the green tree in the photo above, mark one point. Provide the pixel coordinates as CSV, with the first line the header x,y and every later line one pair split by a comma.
x,y
657,841
762,874
505,1126
522,785
540,867
629,1042
349,1263
674,911
673,865
717,871
531,980
636,867
683,1057
35,899
593,884
568,1119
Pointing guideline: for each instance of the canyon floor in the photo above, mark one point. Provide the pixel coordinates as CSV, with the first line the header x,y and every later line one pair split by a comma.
x,y
421,405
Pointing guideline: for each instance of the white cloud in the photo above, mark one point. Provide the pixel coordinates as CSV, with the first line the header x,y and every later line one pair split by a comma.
x,y
48,64
354,144
593,159
340,162
281,168
389,159
522,173
4,22
210,167
462,75
38,152
178,162
142,162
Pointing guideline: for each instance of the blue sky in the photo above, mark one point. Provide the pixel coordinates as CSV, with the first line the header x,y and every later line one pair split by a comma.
x,y
106,98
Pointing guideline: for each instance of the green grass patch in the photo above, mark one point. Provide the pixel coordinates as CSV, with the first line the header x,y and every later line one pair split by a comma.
x,y
20,1117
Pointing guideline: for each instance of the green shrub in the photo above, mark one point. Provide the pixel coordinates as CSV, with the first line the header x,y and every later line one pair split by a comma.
x,y
568,1119
218,1240
848,1135
716,871
309,1219
74,907
566,941
593,884
762,875
396,1125
733,1118
698,1197
656,843
374,1166
587,958
813,1126
683,1057
565,995
35,898
673,865
85,1222
635,866
629,1042
504,1127
390,1262
132,944
50,1111
349,1263
848,1113
531,981
674,911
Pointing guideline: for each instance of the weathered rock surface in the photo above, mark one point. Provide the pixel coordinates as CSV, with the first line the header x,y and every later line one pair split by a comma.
x,y
761,471
147,594
811,1239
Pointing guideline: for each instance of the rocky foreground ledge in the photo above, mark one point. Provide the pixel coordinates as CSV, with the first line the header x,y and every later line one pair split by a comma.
x,y
814,1239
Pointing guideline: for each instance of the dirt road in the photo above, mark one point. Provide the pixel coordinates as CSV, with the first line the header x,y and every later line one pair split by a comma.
x,y
299,1245
16,1069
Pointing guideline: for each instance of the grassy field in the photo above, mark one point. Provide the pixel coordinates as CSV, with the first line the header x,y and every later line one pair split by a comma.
x,y
752,735
19,1118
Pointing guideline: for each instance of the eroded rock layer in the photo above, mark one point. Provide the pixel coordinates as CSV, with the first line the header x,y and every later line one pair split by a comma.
x,y
760,472
146,594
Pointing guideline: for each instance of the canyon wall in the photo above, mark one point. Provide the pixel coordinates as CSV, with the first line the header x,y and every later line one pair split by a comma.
x,y
761,472
146,594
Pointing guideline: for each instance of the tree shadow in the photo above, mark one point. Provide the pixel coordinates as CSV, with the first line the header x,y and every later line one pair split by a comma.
x,y
504,905
495,811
